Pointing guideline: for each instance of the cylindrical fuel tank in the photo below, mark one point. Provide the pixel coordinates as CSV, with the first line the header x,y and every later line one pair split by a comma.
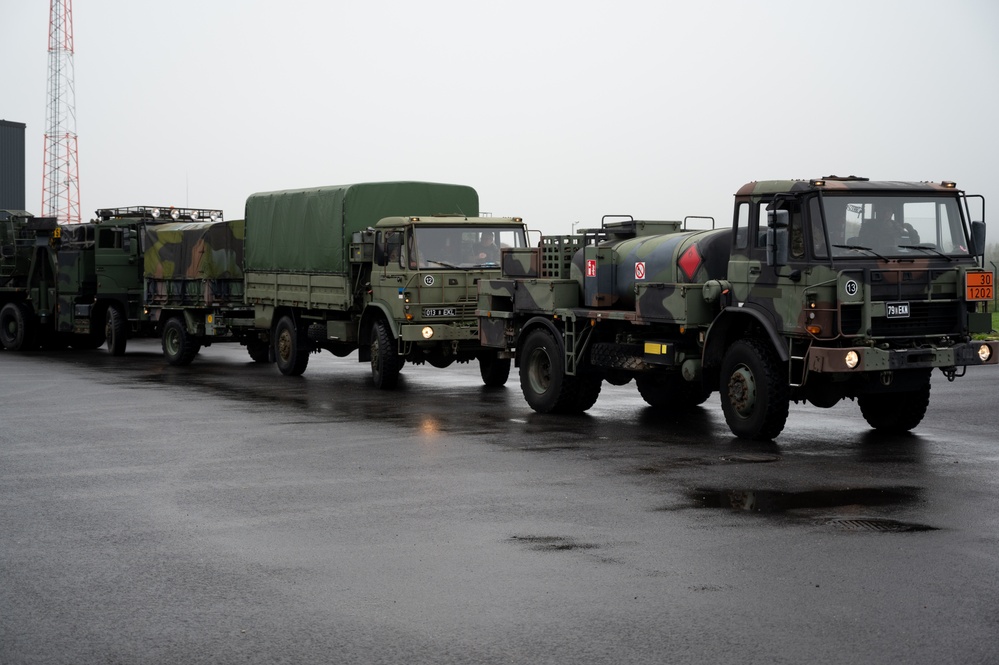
x,y
610,270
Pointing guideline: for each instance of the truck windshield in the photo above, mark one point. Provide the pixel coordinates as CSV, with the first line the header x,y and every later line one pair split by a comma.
x,y
888,226
461,248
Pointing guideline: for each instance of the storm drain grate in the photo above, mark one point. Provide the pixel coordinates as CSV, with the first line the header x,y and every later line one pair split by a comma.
x,y
882,525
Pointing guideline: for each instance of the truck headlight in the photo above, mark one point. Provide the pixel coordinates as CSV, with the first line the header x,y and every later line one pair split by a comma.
x,y
851,359
984,352
428,332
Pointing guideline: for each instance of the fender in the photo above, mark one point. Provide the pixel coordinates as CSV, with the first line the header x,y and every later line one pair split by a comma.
x,y
538,322
372,311
730,318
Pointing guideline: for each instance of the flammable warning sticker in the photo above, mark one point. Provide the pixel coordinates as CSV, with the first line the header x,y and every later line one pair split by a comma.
x,y
591,267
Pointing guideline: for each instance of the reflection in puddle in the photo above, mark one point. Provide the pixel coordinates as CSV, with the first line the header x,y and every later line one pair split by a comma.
x,y
775,501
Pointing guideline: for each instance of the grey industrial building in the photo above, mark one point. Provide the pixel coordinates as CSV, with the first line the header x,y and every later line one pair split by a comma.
x,y
12,165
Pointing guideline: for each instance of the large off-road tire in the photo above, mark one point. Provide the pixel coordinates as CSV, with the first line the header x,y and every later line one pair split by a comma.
x,y
385,362
17,327
544,382
179,347
259,350
670,392
291,347
754,390
494,370
895,413
116,331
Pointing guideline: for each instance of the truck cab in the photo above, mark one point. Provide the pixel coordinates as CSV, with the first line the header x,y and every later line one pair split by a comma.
x,y
862,288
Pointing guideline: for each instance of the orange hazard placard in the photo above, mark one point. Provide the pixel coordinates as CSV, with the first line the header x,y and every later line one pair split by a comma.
x,y
978,286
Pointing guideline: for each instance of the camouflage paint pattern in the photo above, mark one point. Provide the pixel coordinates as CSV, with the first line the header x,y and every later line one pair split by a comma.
x,y
696,293
194,263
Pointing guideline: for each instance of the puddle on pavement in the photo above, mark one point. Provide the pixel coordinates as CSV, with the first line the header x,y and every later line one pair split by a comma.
x,y
552,543
776,501
806,503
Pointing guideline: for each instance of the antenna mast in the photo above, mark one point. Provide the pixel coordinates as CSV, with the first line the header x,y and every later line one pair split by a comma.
x,y
60,170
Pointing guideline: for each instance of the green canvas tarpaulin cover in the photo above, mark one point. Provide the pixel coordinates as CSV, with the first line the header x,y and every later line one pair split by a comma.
x,y
309,230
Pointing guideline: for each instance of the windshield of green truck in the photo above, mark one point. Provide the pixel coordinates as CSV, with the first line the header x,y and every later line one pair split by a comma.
x,y
888,226
461,248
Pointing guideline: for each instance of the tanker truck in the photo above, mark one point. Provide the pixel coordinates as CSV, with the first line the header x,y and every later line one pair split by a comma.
x,y
387,269
821,290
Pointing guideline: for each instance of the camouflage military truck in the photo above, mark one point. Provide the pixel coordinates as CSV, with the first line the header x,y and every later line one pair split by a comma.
x,y
388,269
194,287
79,284
821,290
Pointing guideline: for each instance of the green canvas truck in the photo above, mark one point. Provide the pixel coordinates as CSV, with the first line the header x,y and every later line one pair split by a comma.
x,y
821,290
388,269
79,284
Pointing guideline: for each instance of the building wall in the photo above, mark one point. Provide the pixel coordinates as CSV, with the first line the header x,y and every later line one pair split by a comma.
x,y
11,165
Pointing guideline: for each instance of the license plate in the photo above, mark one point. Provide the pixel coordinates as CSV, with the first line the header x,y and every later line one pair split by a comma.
x,y
439,311
978,286
897,310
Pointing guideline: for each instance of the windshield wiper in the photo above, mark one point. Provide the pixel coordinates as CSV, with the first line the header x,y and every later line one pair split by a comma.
x,y
927,248
862,249
442,263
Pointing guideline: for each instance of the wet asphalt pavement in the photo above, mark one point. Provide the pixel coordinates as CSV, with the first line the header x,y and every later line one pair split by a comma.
x,y
223,513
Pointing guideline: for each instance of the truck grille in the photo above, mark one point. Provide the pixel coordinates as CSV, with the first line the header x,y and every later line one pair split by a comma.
x,y
925,318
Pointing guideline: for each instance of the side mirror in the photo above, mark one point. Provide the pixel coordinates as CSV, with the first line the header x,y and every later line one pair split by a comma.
x,y
777,237
977,239
381,256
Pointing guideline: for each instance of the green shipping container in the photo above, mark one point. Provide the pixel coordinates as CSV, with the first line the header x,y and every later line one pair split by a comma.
x,y
309,230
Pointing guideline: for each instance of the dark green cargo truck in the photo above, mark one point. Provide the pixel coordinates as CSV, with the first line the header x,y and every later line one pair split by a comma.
x,y
387,269
821,290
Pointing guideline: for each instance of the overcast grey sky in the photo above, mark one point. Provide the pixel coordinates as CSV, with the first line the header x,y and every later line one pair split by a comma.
x,y
554,111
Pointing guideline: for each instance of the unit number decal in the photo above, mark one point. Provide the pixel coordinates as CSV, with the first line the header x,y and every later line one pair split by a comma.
x,y
851,287
428,280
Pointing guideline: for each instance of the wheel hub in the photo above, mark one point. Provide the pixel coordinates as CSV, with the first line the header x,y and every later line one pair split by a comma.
x,y
742,391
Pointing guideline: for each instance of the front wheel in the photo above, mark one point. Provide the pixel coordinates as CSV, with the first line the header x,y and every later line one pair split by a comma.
x,y
116,331
179,347
17,330
291,350
544,382
494,370
754,392
895,413
385,362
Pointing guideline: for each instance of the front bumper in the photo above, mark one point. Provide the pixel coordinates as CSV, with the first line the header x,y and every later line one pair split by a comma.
x,y
834,360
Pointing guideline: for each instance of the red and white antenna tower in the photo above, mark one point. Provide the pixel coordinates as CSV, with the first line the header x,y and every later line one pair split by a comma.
x,y
60,170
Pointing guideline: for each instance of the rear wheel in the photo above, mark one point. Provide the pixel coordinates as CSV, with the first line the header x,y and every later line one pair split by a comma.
x,y
494,370
116,331
895,413
291,348
755,396
670,392
17,329
259,350
179,347
385,362
544,382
